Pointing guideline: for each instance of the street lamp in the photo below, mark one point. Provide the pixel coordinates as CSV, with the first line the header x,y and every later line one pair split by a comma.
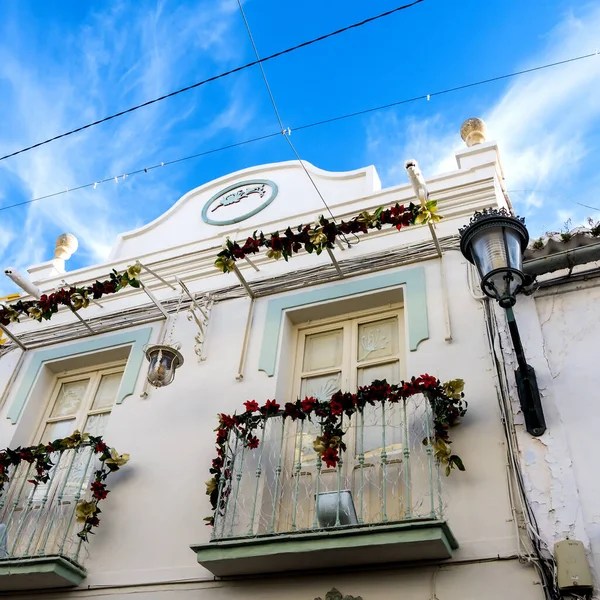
x,y
494,241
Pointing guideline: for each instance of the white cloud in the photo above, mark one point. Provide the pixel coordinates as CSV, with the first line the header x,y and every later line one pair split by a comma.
x,y
121,56
547,125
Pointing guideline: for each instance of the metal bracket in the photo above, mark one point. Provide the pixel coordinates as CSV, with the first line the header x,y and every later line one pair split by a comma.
x,y
13,337
154,300
243,281
82,320
158,277
203,307
335,263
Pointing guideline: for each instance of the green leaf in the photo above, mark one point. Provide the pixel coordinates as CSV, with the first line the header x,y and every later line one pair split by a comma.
x,y
458,462
134,283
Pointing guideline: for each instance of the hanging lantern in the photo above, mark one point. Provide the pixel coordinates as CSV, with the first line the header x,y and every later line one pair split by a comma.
x,y
164,359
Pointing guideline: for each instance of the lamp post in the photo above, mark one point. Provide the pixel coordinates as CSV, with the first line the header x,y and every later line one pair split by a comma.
x,y
494,241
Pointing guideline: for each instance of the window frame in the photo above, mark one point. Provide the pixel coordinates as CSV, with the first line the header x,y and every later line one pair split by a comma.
x,y
349,366
95,375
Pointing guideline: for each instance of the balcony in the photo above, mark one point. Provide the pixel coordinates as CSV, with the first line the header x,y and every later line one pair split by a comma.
x,y
281,508
39,546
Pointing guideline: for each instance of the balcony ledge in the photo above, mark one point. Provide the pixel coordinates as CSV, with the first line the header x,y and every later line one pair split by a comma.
x,y
398,542
39,573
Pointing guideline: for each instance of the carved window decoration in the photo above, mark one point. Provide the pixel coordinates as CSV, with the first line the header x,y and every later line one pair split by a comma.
x,y
334,594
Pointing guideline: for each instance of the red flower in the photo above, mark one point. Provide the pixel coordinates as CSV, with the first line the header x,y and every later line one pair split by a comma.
x,y
251,406
109,287
227,421
291,410
221,435
336,407
330,457
252,442
99,490
308,404
93,521
270,408
100,447
427,381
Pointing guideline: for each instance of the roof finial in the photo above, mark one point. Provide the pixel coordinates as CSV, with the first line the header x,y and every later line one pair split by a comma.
x,y
66,245
473,131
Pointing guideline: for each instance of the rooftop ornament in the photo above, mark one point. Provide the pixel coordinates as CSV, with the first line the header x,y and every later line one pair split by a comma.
x,y
494,241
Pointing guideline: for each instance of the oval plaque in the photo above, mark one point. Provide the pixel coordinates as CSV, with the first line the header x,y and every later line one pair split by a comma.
x,y
239,201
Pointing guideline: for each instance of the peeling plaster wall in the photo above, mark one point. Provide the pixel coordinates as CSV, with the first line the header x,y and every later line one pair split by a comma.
x,y
546,461
570,326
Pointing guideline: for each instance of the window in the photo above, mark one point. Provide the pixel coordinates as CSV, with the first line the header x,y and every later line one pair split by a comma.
x,y
82,400
346,354
41,517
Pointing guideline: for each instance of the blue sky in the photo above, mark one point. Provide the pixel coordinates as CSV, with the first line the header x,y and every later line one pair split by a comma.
x,y
64,64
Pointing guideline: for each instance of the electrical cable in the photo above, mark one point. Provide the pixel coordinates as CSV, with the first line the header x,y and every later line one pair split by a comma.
x,y
545,566
94,184
299,128
448,90
215,77
286,133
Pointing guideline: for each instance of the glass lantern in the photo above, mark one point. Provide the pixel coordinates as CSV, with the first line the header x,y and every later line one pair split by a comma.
x,y
494,241
163,360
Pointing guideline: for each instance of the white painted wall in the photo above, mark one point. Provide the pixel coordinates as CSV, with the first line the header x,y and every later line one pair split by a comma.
x,y
570,324
157,502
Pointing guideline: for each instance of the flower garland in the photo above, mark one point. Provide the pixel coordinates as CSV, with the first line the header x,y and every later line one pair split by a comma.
x,y
75,298
110,460
322,235
446,400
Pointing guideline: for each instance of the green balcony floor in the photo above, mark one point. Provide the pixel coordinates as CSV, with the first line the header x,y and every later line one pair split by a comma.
x,y
39,573
406,541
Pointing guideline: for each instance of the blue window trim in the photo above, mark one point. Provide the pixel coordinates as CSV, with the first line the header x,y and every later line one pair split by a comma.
x,y
415,301
137,338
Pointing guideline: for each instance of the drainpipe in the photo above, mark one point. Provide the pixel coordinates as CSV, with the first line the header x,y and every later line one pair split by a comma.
x,y
562,260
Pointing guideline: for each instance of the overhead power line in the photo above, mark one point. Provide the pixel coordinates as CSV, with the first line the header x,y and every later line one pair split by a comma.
x,y
446,91
214,78
285,133
299,128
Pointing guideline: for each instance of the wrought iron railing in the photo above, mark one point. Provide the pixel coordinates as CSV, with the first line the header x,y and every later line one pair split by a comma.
x,y
41,520
388,473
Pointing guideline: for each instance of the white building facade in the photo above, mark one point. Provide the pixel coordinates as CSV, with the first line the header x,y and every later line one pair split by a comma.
x,y
384,521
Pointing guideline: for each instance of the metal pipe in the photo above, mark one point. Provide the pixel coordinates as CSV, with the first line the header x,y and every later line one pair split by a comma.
x,y
445,304
562,260
251,263
158,276
82,320
335,262
419,186
243,281
14,338
155,301
240,374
